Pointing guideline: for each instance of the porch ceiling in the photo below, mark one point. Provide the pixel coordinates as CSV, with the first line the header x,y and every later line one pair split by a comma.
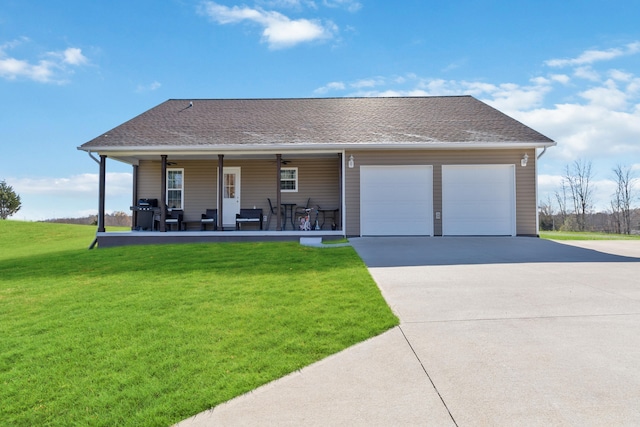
x,y
135,158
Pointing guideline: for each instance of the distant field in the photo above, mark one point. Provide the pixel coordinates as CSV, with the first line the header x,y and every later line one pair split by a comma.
x,y
574,235
150,335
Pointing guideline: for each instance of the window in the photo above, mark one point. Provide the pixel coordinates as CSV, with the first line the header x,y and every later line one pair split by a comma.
x,y
175,188
289,180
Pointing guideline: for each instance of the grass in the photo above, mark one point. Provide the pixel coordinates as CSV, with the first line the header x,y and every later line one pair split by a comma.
x,y
150,335
575,235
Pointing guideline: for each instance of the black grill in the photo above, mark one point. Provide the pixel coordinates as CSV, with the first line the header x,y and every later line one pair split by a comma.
x,y
144,213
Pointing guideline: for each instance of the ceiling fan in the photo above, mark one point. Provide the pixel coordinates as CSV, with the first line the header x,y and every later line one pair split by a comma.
x,y
282,161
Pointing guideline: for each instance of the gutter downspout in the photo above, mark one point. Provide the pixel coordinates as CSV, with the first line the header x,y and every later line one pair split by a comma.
x,y
94,159
544,150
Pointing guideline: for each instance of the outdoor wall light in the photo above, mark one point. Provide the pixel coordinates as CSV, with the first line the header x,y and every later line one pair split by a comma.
x,y
351,162
524,160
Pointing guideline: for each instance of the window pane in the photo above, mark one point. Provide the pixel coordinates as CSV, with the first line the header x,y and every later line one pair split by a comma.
x,y
288,185
287,174
174,199
289,179
174,179
230,186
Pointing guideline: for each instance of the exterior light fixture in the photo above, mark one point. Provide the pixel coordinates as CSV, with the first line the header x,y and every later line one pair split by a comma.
x,y
524,160
351,162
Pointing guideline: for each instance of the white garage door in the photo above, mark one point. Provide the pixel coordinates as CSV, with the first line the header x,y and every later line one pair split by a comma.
x,y
478,200
396,200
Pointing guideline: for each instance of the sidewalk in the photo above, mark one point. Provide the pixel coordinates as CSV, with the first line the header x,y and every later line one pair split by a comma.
x,y
379,382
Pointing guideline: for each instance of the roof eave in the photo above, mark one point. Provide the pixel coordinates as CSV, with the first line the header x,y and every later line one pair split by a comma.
x,y
276,148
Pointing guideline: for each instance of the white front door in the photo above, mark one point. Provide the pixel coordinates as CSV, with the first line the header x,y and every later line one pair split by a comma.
x,y
230,196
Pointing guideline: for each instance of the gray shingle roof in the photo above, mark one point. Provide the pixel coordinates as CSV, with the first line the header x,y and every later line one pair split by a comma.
x,y
317,122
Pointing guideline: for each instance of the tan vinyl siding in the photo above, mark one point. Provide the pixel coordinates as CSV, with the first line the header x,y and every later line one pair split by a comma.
x,y
525,180
318,179
149,180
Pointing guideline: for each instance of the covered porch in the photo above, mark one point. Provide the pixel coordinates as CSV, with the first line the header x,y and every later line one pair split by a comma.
x,y
278,190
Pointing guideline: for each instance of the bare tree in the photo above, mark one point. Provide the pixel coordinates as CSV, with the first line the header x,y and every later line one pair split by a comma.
x,y
621,202
561,198
547,215
615,217
579,177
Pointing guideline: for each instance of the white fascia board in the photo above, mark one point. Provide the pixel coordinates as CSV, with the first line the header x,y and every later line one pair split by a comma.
x,y
308,148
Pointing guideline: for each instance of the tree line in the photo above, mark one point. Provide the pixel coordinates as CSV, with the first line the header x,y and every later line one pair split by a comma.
x,y
571,207
116,219
10,203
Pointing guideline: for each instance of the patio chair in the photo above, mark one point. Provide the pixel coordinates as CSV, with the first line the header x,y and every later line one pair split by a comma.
x,y
210,217
272,211
174,217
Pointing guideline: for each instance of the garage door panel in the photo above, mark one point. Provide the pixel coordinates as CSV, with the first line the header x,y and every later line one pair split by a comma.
x,y
396,200
478,200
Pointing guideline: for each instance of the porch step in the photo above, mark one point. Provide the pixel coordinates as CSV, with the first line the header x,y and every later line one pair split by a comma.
x,y
311,241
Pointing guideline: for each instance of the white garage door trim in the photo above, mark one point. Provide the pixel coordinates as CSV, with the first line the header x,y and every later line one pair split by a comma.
x,y
396,200
478,200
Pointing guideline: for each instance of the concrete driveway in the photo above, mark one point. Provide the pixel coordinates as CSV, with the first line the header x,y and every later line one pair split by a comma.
x,y
494,331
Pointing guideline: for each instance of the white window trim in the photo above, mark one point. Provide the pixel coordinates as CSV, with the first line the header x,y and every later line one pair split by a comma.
x,y
296,180
181,170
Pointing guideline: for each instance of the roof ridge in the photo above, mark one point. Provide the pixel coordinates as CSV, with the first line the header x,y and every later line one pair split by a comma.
x,y
321,98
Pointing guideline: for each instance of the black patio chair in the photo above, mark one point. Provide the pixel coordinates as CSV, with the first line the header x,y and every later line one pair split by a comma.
x,y
210,217
272,211
173,217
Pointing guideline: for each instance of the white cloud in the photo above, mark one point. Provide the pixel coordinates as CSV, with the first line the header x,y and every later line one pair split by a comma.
x,y
587,131
620,75
368,83
607,96
53,69
279,31
591,56
511,100
560,78
155,85
74,56
329,87
587,73
73,186
350,5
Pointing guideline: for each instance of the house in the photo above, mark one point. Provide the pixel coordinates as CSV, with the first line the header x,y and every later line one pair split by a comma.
x,y
423,166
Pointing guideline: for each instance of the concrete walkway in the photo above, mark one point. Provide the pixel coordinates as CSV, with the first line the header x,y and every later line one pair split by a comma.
x,y
494,331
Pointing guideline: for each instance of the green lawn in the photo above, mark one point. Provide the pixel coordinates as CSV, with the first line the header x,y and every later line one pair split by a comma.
x,y
150,335
574,235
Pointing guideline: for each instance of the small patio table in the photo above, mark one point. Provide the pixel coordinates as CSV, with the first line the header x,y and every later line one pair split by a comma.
x,y
288,213
331,213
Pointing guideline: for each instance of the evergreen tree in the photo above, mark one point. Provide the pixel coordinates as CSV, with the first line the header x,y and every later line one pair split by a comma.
x,y
9,201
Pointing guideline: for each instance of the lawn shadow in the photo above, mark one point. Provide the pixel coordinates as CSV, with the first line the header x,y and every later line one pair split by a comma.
x,y
223,259
424,251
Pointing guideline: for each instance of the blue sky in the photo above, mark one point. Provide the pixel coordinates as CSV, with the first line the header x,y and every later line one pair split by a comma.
x,y
71,70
